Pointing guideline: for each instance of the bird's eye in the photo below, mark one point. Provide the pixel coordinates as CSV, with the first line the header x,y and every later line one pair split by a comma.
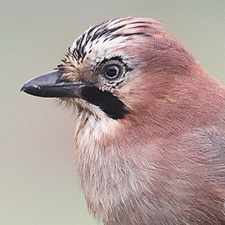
x,y
112,71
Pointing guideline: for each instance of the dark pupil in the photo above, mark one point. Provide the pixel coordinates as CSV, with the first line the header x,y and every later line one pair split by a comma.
x,y
112,71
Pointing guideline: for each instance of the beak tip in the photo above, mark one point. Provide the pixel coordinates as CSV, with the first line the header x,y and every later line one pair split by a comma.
x,y
22,89
29,88
37,85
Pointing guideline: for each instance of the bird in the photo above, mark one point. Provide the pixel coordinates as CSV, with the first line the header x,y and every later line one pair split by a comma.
x,y
150,125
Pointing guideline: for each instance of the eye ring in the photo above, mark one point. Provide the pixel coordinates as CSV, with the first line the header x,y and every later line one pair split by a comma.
x,y
112,71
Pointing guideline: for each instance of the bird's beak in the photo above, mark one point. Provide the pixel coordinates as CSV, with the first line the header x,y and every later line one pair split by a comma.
x,y
50,85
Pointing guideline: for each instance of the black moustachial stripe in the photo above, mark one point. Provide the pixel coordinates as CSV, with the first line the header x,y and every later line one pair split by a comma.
x,y
108,103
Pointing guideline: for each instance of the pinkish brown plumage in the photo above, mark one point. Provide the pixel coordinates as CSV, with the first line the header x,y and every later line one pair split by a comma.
x,y
149,135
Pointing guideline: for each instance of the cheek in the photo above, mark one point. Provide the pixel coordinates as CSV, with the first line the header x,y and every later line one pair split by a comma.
x,y
134,91
145,90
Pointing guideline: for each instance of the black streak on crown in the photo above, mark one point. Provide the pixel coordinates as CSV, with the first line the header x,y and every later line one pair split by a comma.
x,y
104,30
108,103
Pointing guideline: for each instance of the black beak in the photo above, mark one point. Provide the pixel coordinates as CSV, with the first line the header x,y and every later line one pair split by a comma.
x,y
50,85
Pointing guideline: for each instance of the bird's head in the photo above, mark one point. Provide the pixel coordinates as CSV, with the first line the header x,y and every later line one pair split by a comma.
x,y
118,68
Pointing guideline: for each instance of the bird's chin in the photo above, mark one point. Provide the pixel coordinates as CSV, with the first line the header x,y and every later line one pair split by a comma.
x,y
81,106
76,103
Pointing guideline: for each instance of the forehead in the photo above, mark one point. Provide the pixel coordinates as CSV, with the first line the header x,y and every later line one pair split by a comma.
x,y
101,41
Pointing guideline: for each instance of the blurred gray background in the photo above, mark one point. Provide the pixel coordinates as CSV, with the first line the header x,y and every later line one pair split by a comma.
x,y
37,173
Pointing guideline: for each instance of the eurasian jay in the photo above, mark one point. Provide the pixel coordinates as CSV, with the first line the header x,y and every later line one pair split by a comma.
x,y
150,125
